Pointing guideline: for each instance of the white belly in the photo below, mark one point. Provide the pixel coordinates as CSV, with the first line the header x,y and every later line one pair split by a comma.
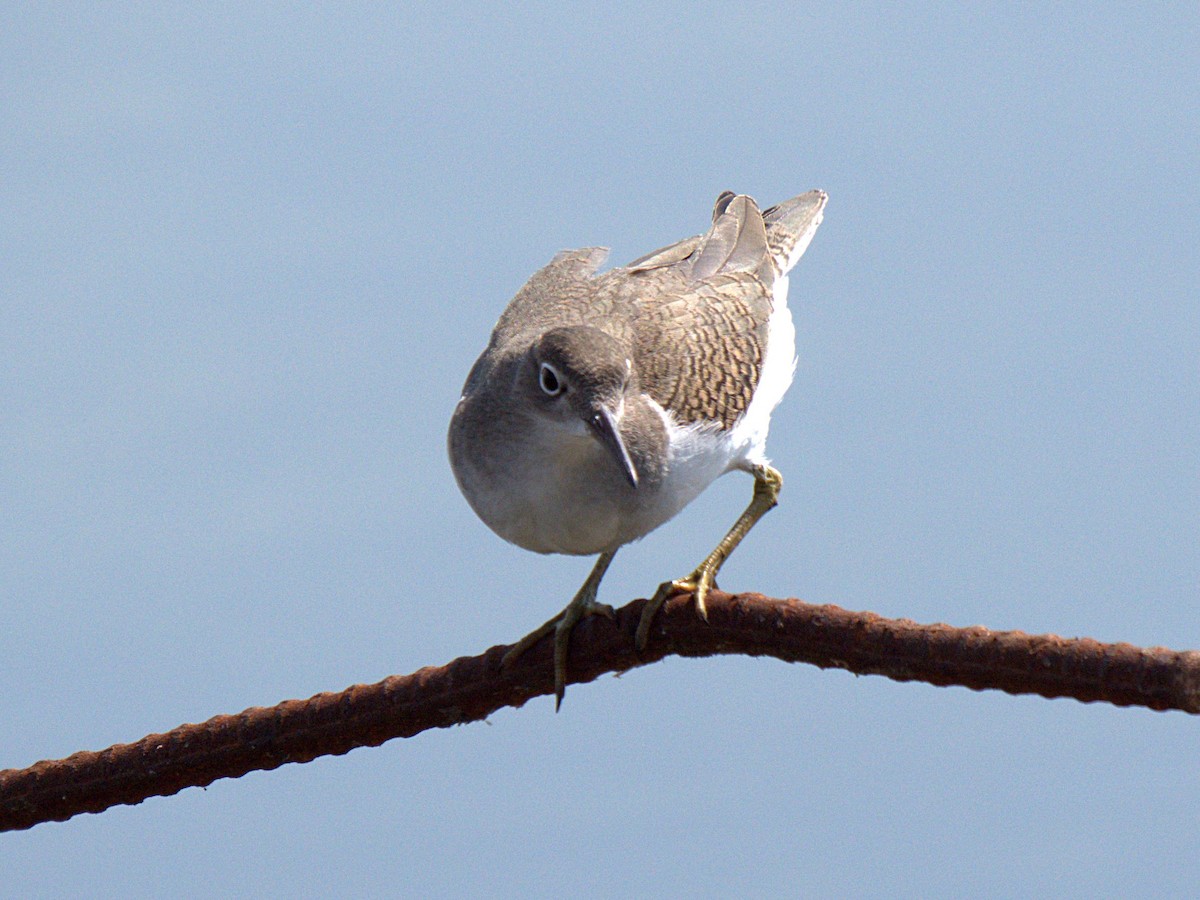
x,y
561,493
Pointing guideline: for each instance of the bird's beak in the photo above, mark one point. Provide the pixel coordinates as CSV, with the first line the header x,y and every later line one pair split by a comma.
x,y
604,425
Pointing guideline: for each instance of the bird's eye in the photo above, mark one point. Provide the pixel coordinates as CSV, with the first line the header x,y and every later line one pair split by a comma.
x,y
551,382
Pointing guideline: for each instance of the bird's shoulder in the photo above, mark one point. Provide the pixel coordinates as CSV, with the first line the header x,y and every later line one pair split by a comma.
x,y
564,292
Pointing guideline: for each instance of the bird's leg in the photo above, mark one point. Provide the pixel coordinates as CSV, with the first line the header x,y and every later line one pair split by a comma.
x,y
767,484
583,604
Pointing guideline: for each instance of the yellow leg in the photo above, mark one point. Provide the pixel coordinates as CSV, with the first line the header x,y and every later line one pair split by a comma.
x,y
582,604
767,484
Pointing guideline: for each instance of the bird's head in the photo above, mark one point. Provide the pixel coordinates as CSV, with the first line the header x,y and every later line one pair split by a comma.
x,y
579,376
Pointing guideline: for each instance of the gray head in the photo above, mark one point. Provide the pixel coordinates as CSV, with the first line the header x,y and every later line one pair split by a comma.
x,y
580,377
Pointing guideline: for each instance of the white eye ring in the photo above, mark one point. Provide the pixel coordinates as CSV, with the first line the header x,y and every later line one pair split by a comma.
x,y
551,383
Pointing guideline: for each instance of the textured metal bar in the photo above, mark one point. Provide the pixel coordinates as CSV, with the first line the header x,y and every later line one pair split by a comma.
x,y
471,688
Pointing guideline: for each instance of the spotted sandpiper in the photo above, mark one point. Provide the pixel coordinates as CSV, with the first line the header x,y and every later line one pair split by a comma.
x,y
604,403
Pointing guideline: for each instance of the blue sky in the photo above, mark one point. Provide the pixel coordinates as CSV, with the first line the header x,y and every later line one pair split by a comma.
x,y
246,260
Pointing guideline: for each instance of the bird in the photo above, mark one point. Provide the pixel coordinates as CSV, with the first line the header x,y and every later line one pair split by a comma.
x,y
605,402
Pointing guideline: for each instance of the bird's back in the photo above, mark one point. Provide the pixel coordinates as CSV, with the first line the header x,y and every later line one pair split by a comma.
x,y
711,308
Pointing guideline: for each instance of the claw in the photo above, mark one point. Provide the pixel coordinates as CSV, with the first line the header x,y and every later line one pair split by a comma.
x,y
571,617
767,483
698,584
583,604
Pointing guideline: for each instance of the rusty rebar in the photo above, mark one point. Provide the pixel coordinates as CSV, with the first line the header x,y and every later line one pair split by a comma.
x,y
471,688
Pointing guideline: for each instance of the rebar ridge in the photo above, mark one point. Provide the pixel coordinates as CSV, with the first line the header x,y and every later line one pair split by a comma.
x,y
471,688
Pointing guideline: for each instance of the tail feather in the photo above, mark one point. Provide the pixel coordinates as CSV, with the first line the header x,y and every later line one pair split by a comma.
x,y
736,242
791,226
743,239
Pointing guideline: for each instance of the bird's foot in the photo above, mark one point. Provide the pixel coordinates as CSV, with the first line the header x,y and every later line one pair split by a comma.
x,y
698,584
583,604
561,627
767,484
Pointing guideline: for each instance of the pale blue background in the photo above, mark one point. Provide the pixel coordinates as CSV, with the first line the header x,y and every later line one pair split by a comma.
x,y
246,259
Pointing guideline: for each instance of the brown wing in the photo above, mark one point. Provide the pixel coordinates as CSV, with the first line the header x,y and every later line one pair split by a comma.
x,y
702,311
699,354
